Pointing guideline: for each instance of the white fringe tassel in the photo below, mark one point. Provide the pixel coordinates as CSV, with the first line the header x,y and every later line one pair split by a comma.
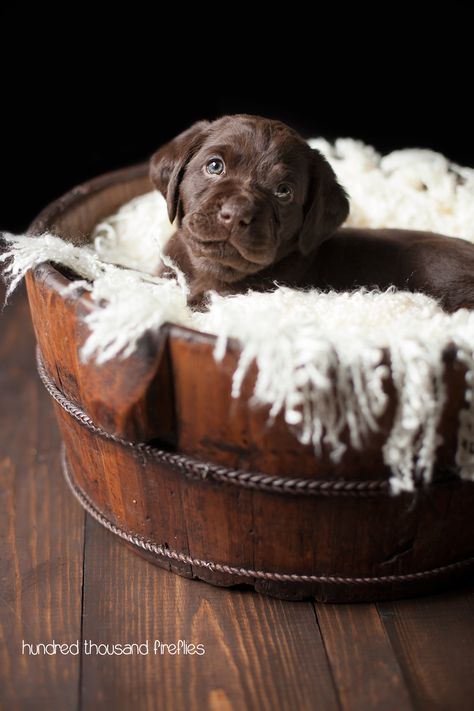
x,y
319,355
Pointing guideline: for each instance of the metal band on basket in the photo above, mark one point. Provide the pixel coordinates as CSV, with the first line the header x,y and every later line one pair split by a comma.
x,y
195,468
166,553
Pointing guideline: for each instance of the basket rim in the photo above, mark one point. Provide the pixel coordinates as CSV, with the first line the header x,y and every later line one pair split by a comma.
x,y
57,281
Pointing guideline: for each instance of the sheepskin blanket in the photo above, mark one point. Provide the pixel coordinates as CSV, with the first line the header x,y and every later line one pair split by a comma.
x,y
298,338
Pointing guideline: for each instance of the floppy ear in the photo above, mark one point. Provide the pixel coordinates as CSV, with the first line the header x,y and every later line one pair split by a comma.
x,y
327,205
167,165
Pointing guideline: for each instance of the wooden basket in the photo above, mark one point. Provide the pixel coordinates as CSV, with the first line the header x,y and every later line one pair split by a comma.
x,y
156,449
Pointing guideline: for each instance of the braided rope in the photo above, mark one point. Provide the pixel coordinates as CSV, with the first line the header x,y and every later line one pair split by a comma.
x,y
169,554
194,468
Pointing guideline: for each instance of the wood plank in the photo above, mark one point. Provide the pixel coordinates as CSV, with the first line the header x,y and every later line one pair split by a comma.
x,y
434,641
259,652
41,532
363,663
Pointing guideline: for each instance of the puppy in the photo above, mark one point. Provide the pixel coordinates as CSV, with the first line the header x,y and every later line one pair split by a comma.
x,y
255,204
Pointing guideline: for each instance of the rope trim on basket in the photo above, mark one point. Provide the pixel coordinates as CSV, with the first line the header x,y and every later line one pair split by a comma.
x,y
194,468
170,554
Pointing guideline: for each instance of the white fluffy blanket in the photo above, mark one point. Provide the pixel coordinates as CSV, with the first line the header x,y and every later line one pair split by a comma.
x,y
299,337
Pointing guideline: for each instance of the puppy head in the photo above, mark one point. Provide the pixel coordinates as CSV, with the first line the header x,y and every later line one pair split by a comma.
x,y
247,191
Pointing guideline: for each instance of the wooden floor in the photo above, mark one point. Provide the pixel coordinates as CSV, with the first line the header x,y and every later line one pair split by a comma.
x,y
64,578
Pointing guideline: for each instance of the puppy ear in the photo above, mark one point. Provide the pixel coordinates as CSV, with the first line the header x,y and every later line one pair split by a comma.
x,y
167,165
327,205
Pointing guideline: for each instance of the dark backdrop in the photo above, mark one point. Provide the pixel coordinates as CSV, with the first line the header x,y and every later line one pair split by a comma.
x,y
82,104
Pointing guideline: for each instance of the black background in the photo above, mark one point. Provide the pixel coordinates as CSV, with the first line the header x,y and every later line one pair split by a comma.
x,y
82,97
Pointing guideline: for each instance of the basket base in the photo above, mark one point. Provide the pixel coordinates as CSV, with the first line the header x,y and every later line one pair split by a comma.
x,y
287,586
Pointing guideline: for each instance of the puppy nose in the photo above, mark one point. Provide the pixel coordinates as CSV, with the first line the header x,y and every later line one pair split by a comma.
x,y
234,213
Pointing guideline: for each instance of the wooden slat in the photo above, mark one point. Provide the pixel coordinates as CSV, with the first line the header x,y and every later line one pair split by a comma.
x,y
363,663
434,641
259,652
41,533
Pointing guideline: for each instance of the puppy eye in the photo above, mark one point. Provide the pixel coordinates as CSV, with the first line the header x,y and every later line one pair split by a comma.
x,y
283,192
215,166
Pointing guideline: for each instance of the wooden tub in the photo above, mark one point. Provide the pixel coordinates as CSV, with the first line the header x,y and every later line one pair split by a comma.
x,y
156,449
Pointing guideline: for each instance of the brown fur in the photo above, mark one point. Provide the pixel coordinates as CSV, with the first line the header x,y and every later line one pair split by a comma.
x,y
234,233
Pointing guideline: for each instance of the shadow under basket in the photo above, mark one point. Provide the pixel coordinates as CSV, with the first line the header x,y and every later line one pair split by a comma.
x,y
157,450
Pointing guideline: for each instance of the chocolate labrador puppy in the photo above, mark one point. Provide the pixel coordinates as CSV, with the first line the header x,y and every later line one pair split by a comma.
x,y
255,204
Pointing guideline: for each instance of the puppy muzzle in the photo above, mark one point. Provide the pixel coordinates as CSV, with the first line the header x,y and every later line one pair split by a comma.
x,y
234,223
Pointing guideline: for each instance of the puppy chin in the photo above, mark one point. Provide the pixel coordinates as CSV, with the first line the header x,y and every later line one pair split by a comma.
x,y
225,260
223,270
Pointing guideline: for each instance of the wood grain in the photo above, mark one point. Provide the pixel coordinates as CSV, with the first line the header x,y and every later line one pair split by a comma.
x,y
433,639
364,665
259,652
41,532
